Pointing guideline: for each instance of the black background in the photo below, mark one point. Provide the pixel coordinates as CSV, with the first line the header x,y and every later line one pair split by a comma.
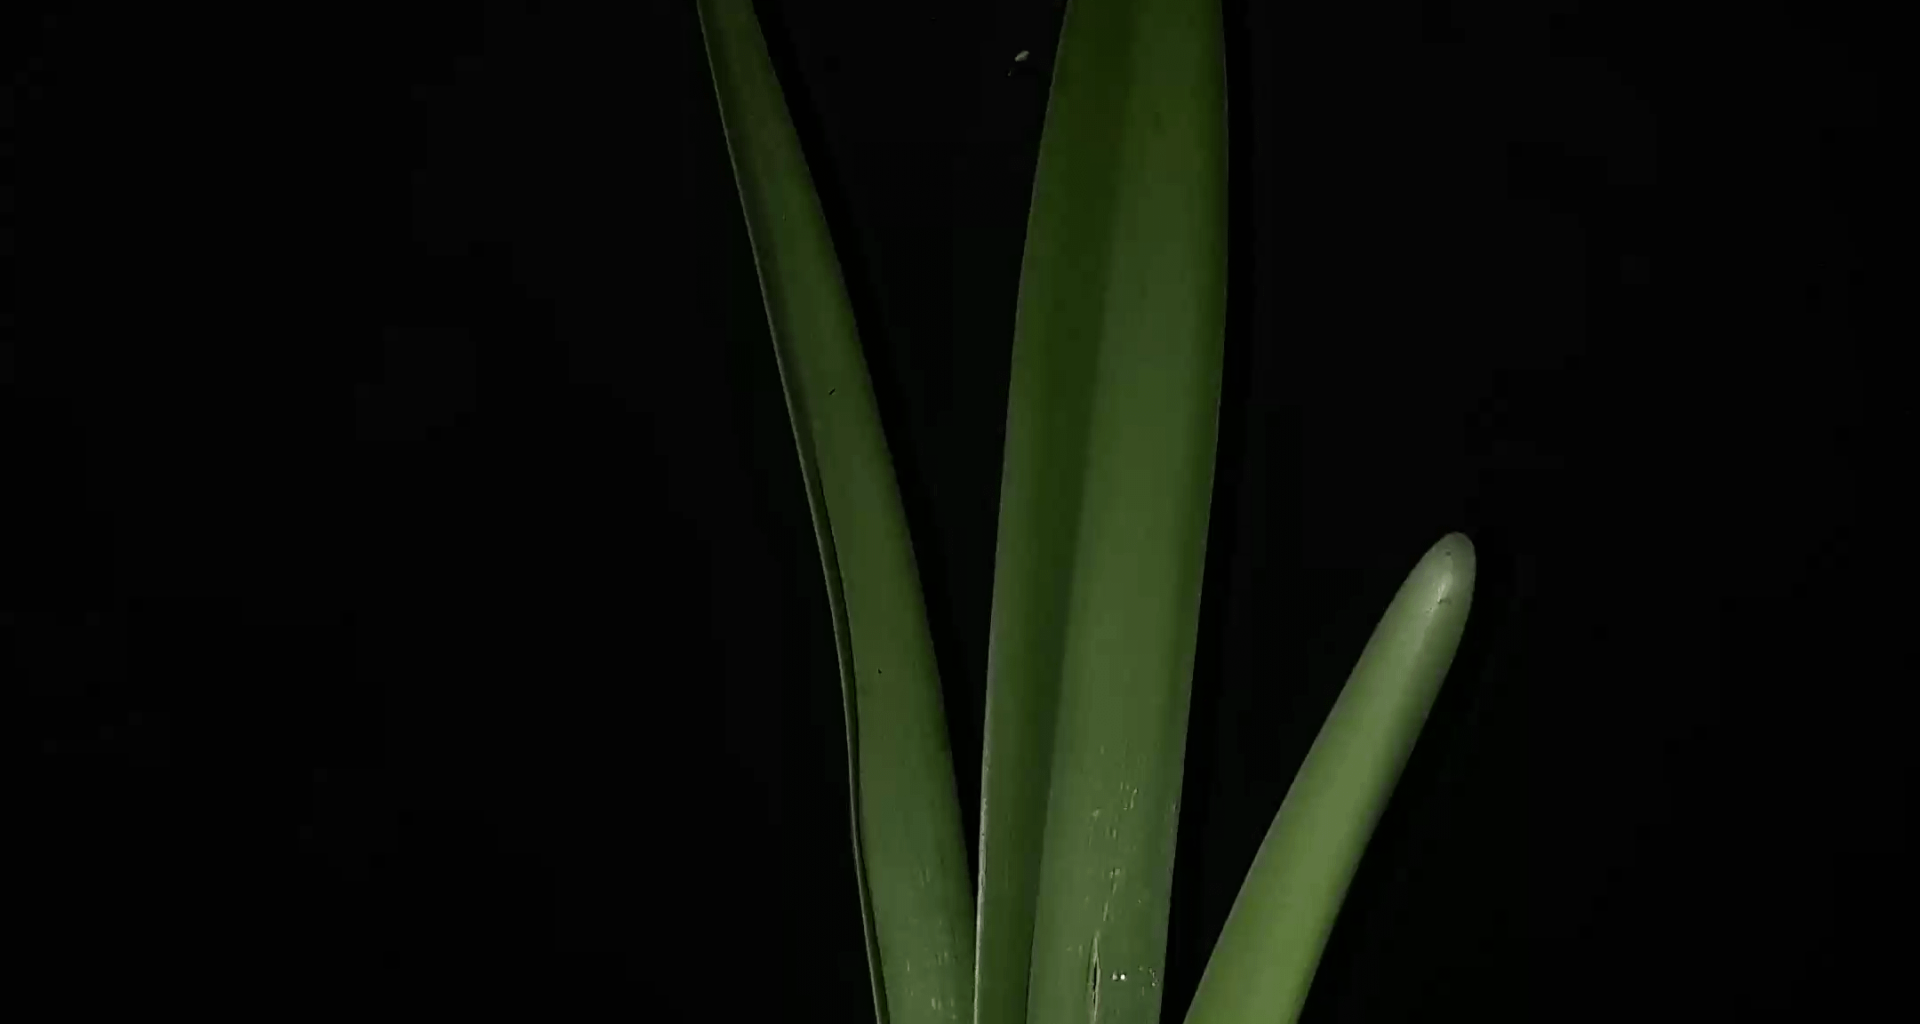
x,y
415,590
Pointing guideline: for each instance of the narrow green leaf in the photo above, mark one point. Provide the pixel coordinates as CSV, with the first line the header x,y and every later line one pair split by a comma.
x,y
1105,492
908,847
1265,959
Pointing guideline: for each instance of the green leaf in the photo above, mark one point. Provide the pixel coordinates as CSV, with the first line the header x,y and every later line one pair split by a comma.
x,y
1105,493
908,847
1265,959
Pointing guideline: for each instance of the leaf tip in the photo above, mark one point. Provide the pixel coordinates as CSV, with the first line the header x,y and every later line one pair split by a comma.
x,y
1448,568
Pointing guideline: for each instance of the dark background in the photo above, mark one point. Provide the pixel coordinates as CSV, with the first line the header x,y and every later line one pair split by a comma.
x,y
410,583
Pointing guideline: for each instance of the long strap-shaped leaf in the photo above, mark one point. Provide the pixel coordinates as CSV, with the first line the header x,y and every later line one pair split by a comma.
x,y
907,843
1261,967
1104,501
